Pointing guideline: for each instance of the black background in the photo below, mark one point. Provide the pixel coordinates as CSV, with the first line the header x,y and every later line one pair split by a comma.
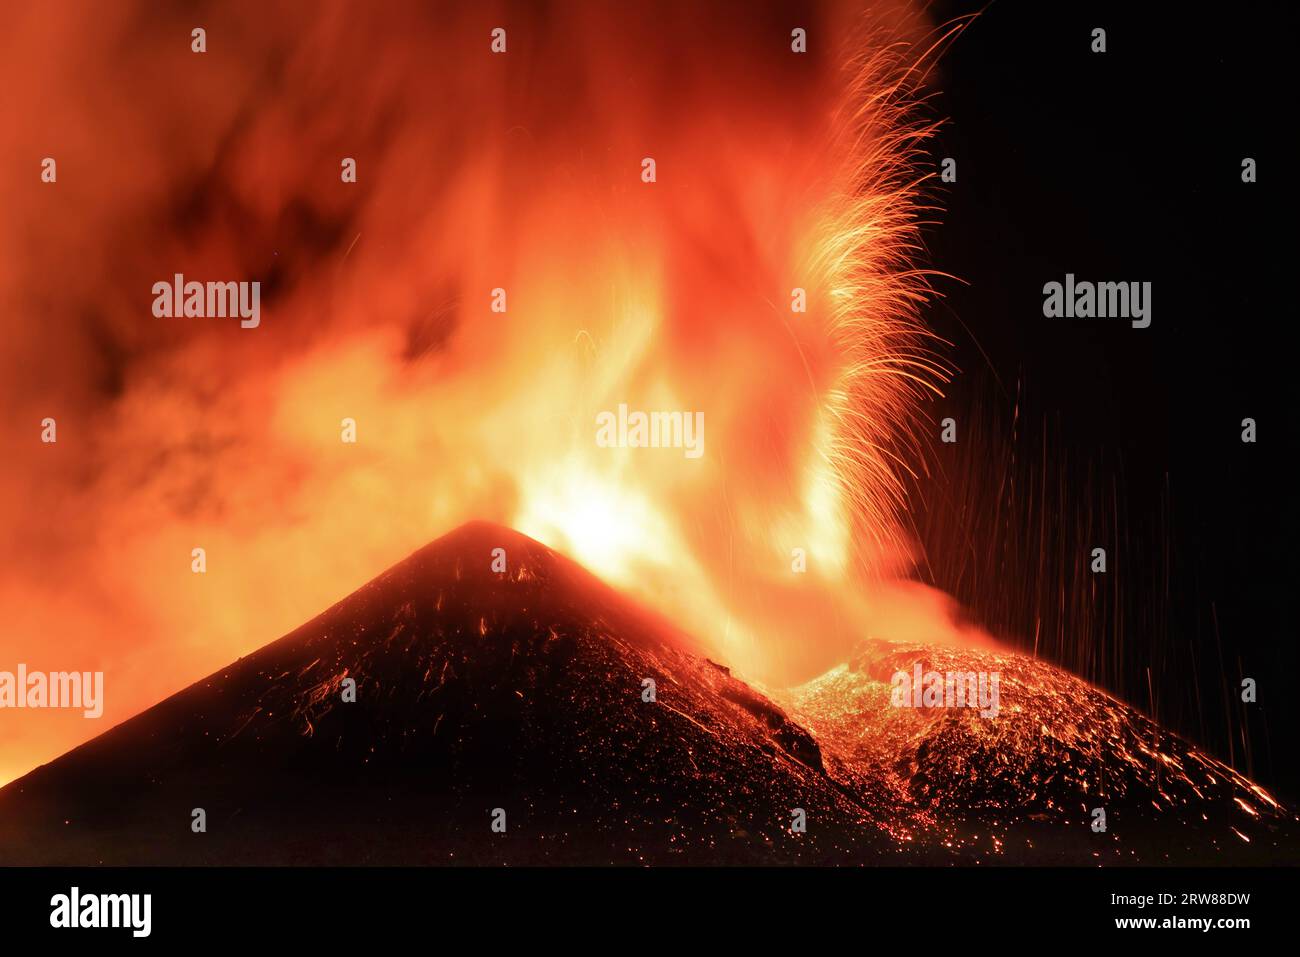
x,y
1124,166
762,907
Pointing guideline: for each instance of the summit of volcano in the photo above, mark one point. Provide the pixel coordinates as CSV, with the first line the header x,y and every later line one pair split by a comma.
x,y
489,701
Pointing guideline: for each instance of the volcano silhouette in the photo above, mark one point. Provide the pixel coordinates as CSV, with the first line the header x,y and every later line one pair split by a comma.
x,y
475,691
522,698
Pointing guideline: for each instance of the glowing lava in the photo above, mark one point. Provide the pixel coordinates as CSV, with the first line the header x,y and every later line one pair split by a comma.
x,y
1028,783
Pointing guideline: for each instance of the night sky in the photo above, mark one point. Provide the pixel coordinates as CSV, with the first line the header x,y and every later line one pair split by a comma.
x,y
1126,166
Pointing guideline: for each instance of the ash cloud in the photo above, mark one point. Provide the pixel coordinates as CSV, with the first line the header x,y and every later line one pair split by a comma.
x,y
475,172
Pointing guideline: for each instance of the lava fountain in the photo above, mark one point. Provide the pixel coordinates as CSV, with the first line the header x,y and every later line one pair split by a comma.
x,y
784,312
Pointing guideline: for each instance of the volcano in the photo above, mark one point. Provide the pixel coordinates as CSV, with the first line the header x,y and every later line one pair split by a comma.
x,y
453,713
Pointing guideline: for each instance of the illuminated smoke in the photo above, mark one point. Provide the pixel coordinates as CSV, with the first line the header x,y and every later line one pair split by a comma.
x,y
475,171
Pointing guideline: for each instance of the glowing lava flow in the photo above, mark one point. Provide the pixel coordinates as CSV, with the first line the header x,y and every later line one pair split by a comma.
x,y
1030,781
